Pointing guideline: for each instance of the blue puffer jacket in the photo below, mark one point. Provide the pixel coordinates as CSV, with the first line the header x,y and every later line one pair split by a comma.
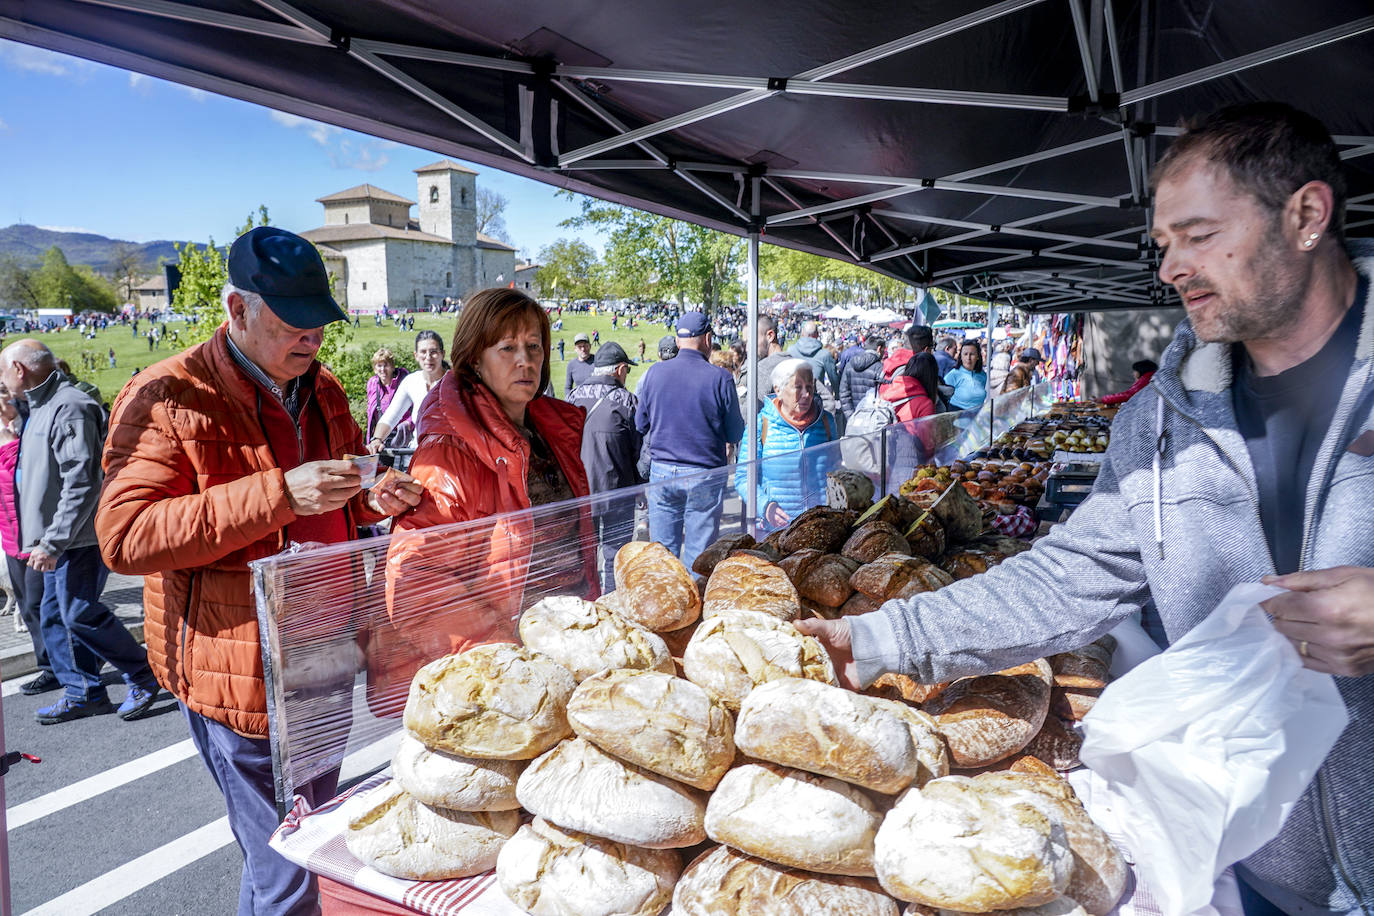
x,y
796,483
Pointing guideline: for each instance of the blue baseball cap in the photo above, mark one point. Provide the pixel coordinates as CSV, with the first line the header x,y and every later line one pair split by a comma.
x,y
692,324
288,273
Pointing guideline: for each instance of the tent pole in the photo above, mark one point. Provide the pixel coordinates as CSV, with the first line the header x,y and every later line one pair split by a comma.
x,y
752,338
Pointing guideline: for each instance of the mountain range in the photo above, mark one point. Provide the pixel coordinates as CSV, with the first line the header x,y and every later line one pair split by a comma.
x,y
28,243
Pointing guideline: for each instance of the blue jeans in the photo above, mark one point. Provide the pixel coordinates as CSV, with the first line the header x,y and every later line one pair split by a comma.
x,y
80,632
242,768
685,518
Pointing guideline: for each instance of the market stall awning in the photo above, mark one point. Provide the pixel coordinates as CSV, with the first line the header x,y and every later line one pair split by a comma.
x,y
996,149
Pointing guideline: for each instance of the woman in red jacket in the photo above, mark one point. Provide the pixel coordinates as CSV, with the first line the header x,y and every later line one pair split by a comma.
x,y
490,444
1144,370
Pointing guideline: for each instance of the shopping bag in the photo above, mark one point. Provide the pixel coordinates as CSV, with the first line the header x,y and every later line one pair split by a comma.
x,y
1209,745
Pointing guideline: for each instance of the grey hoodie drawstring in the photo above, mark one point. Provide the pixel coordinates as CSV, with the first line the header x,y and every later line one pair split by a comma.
x,y
1160,442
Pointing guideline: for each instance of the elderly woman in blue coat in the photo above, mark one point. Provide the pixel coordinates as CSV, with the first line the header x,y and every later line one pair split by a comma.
x,y
791,419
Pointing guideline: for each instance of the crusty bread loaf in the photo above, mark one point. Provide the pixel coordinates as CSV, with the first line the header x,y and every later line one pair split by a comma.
x,y
1073,703
548,871
656,590
719,549
394,833
726,882
1060,906
497,701
665,724
732,653
1084,667
1056,744
820,577
859,603
818,528
957,845
828,730
794,818
903,689
585,638
882,579
924,534
746,583
873,539
578,786
985,719
453,782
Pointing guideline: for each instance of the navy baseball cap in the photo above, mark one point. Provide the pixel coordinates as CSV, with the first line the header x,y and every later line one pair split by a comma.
x,y
611,354
692,324
1031,353
667,347
288,273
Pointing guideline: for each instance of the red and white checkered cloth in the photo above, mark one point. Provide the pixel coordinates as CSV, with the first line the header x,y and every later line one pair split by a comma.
x,y
314,840
1019,524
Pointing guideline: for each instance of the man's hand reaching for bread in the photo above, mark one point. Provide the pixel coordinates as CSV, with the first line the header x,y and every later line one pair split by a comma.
x,y
834,636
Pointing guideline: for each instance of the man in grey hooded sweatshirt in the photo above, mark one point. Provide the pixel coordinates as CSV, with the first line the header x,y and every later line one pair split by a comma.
x,y
809,348
1249,457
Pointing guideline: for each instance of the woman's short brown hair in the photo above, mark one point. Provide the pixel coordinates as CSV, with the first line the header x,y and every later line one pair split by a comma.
x,y
383,355
489,316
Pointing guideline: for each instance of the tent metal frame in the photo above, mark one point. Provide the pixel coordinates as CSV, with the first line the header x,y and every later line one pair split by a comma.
x,y
1019,272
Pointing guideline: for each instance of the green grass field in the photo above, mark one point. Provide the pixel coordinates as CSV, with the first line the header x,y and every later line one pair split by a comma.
x,y
132,353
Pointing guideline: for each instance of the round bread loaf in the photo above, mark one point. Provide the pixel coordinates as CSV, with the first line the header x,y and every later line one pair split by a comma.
x,y
719,549
578,786
1060,906
986,719
818,528
794,818
663,723
903,689
1056,744
655,589
394,833
872,540
834,732
732,653
498,701
748,583
548,871
822,578
453,782
585,638
726,882
896,575
956,845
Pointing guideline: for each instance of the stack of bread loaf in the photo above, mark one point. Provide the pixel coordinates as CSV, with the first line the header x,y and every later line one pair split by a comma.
x,y
673,718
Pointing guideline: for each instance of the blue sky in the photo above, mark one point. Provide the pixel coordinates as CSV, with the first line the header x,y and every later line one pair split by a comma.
x,y
86,147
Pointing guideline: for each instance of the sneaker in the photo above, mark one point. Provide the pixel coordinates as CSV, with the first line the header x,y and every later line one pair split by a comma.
x,y
45,681
67,709
138,703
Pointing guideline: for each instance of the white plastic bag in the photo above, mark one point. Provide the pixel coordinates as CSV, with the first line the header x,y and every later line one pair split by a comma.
x,y
1206,747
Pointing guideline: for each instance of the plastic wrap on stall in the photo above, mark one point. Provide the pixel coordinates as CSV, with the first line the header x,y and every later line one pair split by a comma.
x,y
346,626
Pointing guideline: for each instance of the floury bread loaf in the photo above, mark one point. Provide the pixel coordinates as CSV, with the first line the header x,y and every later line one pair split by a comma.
x,y
726,882
586,638
1061,906
497,701
394,833
456,783
986,719
748,583
730,654
580,787
795,818
548,871
871,742
665,724
957,845
655,589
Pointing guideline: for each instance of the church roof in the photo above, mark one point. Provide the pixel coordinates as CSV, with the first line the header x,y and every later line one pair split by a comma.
x,y
363,192
445,165
361,231
486,241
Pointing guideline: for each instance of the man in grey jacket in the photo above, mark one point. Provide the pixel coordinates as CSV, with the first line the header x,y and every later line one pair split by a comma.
x,y
59,486
1250,454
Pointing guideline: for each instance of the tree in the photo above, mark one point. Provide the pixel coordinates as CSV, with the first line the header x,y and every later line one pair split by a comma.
x,y
58,285
126,267
570,269
18,288
491,208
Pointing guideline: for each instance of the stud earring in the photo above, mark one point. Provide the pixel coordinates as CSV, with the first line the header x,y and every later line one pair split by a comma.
x,y
1307,244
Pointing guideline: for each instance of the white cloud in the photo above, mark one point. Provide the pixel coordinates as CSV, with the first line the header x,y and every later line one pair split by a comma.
x,y
39,60
344,152
320,133
3,125
140,83
81,229
197,95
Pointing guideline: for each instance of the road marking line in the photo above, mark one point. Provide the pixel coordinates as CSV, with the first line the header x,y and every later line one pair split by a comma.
x,y
131,877
86,789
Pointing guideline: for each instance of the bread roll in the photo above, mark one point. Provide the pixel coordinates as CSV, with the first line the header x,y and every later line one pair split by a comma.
x,y
394,833
820,577
656,591
548,871
882,579
718,550
834,732
818,528
665,724
985,719
578,786
953,845
874,539
732,653
456,783
794,818
726,882
585,638
498,701
747,583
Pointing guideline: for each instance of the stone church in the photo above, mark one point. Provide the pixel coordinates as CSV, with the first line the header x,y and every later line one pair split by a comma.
x,y
383,259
